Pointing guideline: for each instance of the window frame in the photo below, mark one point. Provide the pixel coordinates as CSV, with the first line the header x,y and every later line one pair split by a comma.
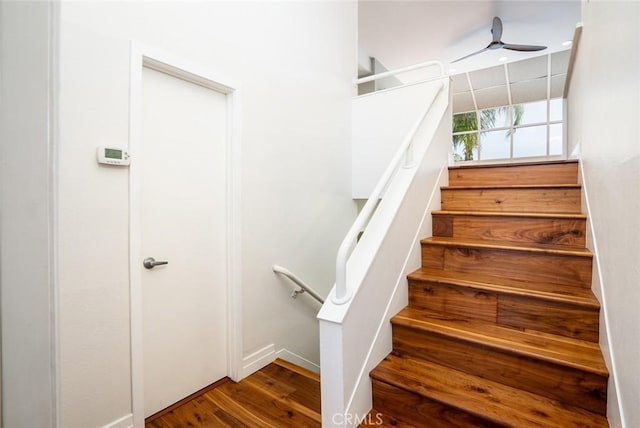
x,y
512,130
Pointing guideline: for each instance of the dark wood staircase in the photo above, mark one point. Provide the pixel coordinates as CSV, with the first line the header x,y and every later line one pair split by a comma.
x,y
502,327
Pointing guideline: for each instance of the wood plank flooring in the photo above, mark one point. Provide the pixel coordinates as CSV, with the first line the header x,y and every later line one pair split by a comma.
x,y
279,395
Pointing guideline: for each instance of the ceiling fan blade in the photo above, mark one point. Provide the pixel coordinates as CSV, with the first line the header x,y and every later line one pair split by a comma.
x,y
523,48
471,54
496,29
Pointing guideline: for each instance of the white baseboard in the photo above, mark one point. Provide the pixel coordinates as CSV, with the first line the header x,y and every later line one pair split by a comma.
x,y
259,359
615,411
296,359
265,356
124,422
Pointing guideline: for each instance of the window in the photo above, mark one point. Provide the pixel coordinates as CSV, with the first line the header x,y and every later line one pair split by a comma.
x,y
518,131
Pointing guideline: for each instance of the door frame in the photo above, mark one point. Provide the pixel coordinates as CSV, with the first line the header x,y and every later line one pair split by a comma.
x,y
144,56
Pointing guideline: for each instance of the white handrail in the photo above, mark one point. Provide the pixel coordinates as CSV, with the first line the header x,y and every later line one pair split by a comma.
x,y
287,273
402,70
343,294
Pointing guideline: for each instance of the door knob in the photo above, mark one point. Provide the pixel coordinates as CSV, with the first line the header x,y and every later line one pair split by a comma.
x,y
150,263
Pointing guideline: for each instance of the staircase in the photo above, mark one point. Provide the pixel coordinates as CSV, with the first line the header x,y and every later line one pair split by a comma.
x,y
502,326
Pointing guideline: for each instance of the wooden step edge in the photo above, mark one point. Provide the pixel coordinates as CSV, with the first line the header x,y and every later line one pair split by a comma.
x,y
561,216
507,246
520,348
376,418
586,302
477,396
407,384
297,369
513,164
513,186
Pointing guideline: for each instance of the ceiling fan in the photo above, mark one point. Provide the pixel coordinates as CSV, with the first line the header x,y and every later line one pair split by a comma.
x,y
496,43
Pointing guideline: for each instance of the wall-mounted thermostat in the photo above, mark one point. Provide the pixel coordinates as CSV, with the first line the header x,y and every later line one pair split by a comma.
x,y
113,156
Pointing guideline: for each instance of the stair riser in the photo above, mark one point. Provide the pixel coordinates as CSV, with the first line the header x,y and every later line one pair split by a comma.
x,y
572,386
421,411
566,232
566,173
524,266
454,302
536,200
554,318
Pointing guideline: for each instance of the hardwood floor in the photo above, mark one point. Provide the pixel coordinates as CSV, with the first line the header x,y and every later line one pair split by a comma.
x,y
279,395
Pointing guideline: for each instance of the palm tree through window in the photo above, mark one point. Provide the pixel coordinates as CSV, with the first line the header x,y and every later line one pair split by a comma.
x,y
506,132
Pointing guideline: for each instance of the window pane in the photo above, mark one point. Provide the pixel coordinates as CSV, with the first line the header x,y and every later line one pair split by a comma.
x,y
465,122
555,139
530,113
494,118
494,145
530,141
555,110
465,147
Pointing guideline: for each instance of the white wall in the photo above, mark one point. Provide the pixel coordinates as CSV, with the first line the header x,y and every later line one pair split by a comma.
x,y
26,191
295,62
381,122
603,112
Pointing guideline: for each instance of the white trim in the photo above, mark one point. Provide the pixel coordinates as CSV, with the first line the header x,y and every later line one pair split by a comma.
x,y
604,307
259,359
506,128
400,71
577,34
135,310
293,358
124,422
234,233
54,138
395,88
144,56
548,145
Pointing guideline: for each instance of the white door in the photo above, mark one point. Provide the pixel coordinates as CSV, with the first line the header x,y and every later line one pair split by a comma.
x,y
183,222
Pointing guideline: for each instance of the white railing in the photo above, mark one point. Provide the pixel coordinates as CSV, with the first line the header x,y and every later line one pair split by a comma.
x,y
356,336
300,283
402,70
342,292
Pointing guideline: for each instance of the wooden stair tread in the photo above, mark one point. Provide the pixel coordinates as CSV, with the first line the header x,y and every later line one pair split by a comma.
x,y
509,246
551,292
564,351
380,419
490,400
512,164
513,186
512,214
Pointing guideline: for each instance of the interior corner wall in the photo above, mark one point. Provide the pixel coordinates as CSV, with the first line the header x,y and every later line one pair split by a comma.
x,y
26,186
295,62
603,112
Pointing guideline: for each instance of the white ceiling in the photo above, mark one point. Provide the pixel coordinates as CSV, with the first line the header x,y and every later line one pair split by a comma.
x,y
533,79
400,33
